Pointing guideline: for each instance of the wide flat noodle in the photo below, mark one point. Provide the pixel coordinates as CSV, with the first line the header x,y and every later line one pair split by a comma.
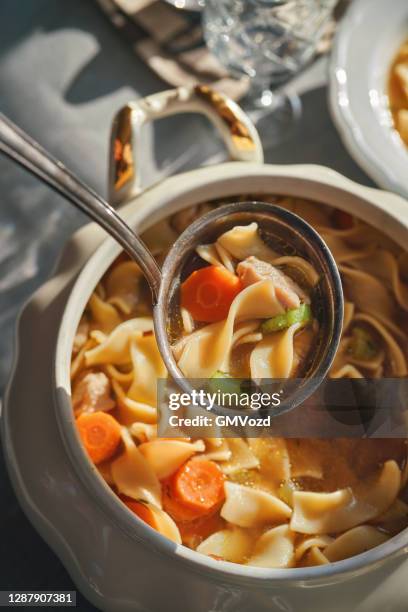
x,y
209,253
81,335
166,456
384,265
344,252
314,213
248,507
148,366
401,72
143,432
104,316
133,475
122,286
368,293
395,518
233,544
242,241
349,310
273,357
217,449
216,255
78,363
241,457
131,411
320,513
244,330
225,257
208,349
361,236
316,557
320,541
353,542
275,548
116,348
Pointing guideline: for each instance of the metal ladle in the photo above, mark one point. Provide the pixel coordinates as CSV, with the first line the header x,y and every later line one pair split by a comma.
x,y
275,221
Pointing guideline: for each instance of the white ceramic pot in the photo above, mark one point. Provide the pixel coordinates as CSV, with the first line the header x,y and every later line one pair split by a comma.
x,y
124,564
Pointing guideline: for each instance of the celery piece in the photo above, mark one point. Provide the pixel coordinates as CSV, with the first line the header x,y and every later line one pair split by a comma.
x,y
363,346
302,314
225,383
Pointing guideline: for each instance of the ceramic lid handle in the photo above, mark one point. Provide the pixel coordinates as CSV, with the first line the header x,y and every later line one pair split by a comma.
x,y
126,148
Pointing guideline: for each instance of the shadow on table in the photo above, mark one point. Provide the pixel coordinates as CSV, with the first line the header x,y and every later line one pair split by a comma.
x,y
107,64
314,140
26,561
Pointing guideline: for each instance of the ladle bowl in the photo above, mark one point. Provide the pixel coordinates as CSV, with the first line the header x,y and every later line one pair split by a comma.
x,y
285,232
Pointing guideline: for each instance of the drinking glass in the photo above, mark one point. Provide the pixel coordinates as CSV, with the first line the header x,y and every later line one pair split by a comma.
x,y
189,5
268,41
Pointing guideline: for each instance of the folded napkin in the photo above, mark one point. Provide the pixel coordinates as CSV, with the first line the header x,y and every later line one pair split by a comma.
x,y
171,42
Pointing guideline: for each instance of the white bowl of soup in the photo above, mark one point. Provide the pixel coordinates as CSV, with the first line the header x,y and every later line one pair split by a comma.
x,y
368,89
266,523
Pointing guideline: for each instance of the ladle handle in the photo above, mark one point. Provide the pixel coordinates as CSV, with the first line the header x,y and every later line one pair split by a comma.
x,y
17,145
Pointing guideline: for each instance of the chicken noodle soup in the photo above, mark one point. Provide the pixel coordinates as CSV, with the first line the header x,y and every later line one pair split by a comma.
x,y
268,502
245,311
398,91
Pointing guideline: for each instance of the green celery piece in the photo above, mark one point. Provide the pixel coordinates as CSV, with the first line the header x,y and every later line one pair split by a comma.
x,y
276,323
302,314
363,346
225,383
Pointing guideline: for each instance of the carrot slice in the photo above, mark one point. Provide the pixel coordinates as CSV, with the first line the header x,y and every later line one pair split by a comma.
x,y
178,511
198,485
100,434
194,532
208,293
141,510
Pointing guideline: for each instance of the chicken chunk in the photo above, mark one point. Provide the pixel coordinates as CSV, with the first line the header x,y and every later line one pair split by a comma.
x,y
288,292
92,393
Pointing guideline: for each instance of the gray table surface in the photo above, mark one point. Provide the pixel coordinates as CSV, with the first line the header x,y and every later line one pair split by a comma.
x,y
64,72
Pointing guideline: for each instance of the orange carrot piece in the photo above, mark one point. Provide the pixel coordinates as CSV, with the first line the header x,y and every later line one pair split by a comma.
x,y
199,486
194,532
142,511
100,434
178,511
208,293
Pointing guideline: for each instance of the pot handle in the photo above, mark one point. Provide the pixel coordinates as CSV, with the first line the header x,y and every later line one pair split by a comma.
x,y
237,130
